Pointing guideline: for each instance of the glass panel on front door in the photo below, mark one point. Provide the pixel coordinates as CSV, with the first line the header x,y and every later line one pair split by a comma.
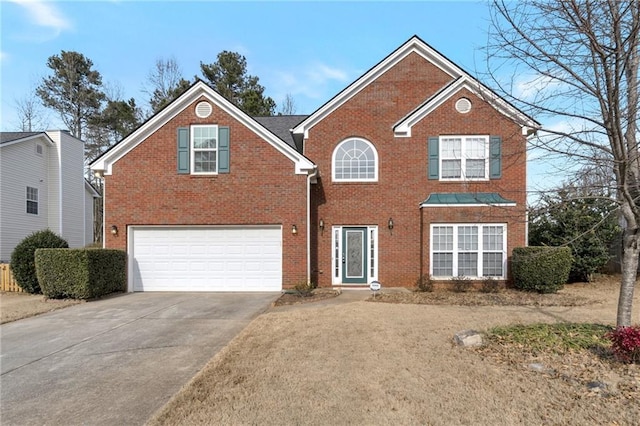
x,y
354,255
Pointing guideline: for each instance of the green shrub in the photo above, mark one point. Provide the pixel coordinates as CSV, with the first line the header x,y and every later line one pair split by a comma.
x,y
541,269
490,285
461,284
81,273
424,284
23,258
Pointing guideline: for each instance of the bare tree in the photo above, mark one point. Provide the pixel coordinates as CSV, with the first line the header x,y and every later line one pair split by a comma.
x,y
165,83
578,60
288,106
31,114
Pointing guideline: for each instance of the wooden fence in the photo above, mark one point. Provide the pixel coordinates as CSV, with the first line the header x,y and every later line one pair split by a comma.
x,y
7,282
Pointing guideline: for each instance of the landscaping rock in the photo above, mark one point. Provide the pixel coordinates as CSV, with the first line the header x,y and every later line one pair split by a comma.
x,y
468,338
537,367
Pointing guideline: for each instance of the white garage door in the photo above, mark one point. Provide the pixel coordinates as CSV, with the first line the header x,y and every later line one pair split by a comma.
x,y
206,259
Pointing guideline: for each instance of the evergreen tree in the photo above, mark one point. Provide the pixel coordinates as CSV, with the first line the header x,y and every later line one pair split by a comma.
x,y
228,76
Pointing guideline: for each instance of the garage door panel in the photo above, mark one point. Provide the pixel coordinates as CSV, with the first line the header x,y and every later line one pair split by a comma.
x,y
206,259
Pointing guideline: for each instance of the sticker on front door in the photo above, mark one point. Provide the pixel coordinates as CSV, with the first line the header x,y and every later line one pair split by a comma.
x,y
354,255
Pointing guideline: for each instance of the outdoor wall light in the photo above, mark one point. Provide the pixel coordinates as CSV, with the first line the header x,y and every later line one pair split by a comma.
x,y
321,225
114,230
390,224
294,230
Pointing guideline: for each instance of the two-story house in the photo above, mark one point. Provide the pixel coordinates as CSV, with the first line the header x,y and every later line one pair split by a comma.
x,y
42,186
414,169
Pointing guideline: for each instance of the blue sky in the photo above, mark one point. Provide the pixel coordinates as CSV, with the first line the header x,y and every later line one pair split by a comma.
x,y
310,50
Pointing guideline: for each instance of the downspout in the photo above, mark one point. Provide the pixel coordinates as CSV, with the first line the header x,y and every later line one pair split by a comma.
x,y
310,176
421,242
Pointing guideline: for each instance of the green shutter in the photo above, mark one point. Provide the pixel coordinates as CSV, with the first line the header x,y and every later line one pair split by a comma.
x,y
434,160
223,150
183,150
495,157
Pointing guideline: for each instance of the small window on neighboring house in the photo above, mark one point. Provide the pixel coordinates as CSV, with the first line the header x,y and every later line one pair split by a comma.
x,y
32,200
355,160
39,149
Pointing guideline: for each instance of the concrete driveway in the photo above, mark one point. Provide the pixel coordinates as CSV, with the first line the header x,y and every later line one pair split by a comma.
x,y
114,361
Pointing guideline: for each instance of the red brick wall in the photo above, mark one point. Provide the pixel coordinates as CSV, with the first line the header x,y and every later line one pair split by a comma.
x,y
402,184
261,188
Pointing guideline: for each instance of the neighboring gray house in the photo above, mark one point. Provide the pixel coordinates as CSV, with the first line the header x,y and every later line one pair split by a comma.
x,y
42,185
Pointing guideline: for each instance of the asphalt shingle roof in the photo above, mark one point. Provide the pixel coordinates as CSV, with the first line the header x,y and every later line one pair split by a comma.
x,y
280,125
12,136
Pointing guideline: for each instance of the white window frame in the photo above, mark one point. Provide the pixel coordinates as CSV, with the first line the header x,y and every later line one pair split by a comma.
x,y
342,179
336,252
465,141
193,150
457,250
39,149
32,197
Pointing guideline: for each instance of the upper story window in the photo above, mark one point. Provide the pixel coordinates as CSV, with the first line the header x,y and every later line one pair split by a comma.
x,y
39,149
204,149
32,200
355,160
464,157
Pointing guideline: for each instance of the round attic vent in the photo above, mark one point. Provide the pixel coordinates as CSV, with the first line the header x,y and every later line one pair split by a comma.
x,y
463,105
204,109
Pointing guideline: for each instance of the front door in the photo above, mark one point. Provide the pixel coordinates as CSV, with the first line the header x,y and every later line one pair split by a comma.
x,y
354,255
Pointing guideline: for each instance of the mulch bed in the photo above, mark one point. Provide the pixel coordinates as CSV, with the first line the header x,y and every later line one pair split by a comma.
x,y
293,297
475,298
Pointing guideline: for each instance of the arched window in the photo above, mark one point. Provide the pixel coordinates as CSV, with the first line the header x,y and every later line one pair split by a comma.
x,y
355,160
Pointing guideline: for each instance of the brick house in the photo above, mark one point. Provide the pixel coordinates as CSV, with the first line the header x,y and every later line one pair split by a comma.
x,y
414,169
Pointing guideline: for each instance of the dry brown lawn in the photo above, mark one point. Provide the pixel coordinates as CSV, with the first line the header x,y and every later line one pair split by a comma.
x,y
394,363
15,306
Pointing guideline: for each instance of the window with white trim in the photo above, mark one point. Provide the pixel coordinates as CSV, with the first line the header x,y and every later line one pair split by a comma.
x,y
471,250
204,149
32,200
355,160
464,157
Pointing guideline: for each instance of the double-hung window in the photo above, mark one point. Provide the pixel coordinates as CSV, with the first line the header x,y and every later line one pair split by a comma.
x,y
32,200
471,250
464,157
204,149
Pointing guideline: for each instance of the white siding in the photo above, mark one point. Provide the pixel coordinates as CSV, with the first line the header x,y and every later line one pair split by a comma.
x,y
20,167
69,166
88,217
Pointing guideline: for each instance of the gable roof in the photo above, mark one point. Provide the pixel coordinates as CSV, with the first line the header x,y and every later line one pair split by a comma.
x,y
199,89
9,138
415,45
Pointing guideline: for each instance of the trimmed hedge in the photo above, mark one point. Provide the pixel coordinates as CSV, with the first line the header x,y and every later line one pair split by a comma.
x,y
80,273
541,269
23,263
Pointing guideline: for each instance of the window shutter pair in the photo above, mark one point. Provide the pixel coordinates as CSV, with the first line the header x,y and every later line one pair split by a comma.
x,y
184,149
495,157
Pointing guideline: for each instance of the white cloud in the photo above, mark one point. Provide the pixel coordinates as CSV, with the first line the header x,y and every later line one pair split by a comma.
x,y
3,56
310,84
45,14
529,86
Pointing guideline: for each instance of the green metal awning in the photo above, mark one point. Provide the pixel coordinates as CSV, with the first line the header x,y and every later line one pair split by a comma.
x,y
466,199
